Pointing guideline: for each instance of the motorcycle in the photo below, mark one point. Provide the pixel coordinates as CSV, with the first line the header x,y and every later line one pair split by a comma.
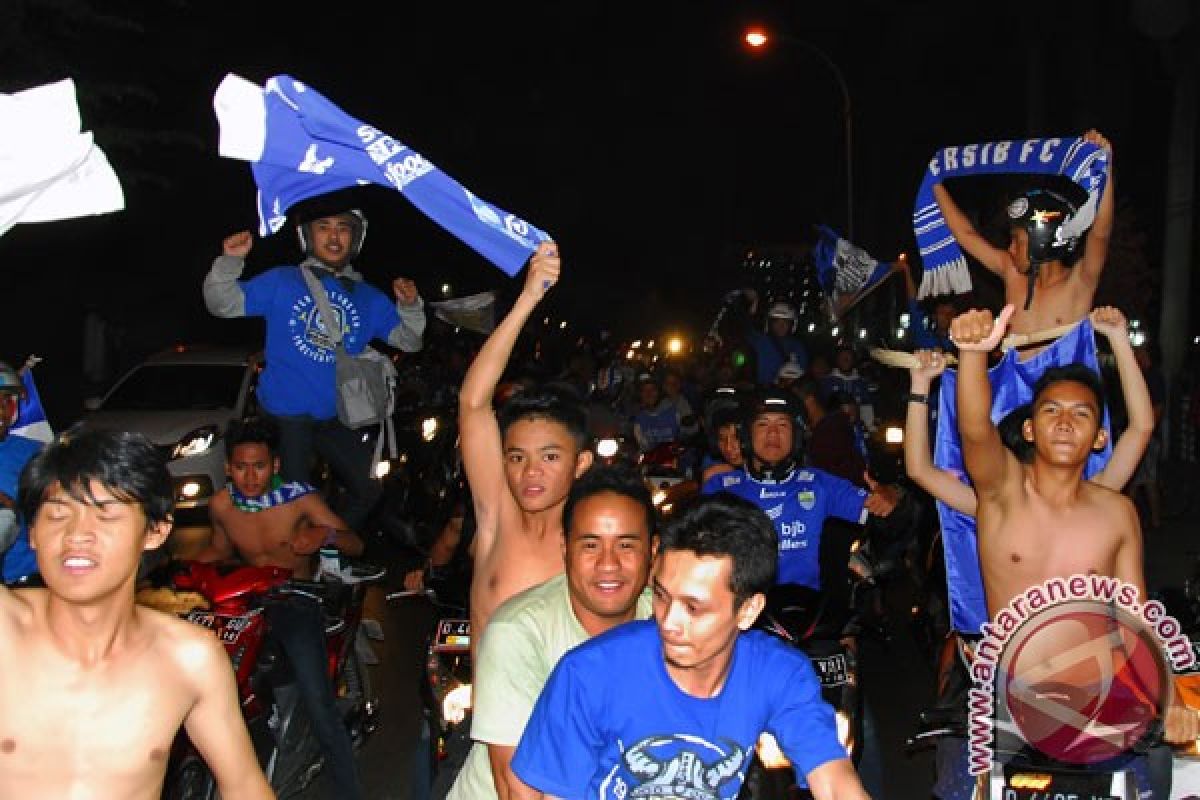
x,y
445,687
807,619
232,598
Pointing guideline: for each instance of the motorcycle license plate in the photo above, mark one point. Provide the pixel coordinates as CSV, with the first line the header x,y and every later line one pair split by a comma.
x,y
832,670
1045,786
453,636
228,627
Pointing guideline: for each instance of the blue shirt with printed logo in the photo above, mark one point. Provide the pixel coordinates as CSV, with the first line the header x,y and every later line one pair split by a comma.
x,y
299,377
617,734
798,504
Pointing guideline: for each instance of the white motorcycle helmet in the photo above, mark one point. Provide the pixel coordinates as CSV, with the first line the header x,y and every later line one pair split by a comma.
x,y
781,310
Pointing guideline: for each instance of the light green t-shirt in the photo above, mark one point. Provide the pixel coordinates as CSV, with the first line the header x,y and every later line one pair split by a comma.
x,y
526,637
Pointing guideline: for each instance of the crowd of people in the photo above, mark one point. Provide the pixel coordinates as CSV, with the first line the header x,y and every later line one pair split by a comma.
x,y
577,584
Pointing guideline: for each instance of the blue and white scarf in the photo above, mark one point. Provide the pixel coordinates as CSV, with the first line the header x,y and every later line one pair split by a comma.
x,y
301,145
945,267
846,272
279,494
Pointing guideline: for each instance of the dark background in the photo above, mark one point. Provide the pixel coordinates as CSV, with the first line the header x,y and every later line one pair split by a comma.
x,y
642,135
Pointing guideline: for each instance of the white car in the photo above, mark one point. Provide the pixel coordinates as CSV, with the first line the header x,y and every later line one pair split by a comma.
x,y
183,399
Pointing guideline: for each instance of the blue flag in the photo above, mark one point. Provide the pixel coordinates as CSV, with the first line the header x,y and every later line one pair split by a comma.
x,y
945,267
31,418
846,273
301,145
1012,386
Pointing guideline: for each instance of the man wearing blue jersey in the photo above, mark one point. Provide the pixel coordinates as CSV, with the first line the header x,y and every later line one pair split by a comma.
x,y
706,686
798,499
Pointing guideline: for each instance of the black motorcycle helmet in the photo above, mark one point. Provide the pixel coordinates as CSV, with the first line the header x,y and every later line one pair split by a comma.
x,y
1042,214
332,205
771,400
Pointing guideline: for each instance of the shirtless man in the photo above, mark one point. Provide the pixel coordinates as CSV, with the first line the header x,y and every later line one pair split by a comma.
x,y
273,524
292,521
99,686
520,466
1064,288
1095,529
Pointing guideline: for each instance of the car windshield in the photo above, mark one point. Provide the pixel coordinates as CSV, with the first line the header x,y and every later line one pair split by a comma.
x,y
178,387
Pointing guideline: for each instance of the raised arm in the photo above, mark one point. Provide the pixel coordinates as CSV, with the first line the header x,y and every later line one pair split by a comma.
x,y
1095,253
481,445
969,239
406,335
918,461
1131,446
223,294
215,723
989,463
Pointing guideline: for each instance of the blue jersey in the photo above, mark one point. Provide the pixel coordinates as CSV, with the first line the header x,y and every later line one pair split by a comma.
x,y
299,376
771,353
798,504
610,734
660,426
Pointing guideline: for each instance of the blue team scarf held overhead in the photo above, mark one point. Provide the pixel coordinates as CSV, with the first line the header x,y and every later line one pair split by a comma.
x,y
945,266
847,273
301,145
1012,383
280,494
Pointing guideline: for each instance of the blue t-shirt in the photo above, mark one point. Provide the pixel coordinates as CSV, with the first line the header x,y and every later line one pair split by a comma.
x,y
616,734
656,427
770,353
798,504
299,377
15,453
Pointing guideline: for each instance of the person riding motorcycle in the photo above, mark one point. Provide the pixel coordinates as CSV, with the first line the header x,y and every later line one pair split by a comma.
x,y
798,499
15,453
656,421
778,345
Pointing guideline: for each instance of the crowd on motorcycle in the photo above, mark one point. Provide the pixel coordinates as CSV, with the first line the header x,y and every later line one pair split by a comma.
x,y
670,560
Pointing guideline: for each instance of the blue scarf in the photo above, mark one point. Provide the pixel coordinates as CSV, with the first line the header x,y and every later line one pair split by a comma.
x,y
301,145
280,494
1012,383
945,267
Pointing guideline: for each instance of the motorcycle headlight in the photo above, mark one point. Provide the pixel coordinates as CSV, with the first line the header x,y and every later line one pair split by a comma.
x,y
769,753
429,428
845,738
456,704
196,443
893,434
659,497
606,448
382,468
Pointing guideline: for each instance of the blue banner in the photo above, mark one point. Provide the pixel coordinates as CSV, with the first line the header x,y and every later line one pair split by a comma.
x,y
847,273
1012,386
301,145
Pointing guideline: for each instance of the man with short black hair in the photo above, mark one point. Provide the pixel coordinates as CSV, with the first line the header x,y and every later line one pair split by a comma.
x,y
694,689
610,539
298,386
104,685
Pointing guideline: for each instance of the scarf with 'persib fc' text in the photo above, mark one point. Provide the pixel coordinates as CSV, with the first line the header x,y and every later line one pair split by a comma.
x,y
945,267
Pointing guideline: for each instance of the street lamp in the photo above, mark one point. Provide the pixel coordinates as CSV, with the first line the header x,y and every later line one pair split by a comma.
x,y
758,39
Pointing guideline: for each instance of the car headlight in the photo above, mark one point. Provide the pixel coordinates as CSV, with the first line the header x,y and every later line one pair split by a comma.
x,y
607,448
196,443
893,434
843,731
456,704
429,428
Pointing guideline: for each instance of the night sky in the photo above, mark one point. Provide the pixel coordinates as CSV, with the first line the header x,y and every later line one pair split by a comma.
x,y
642,135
